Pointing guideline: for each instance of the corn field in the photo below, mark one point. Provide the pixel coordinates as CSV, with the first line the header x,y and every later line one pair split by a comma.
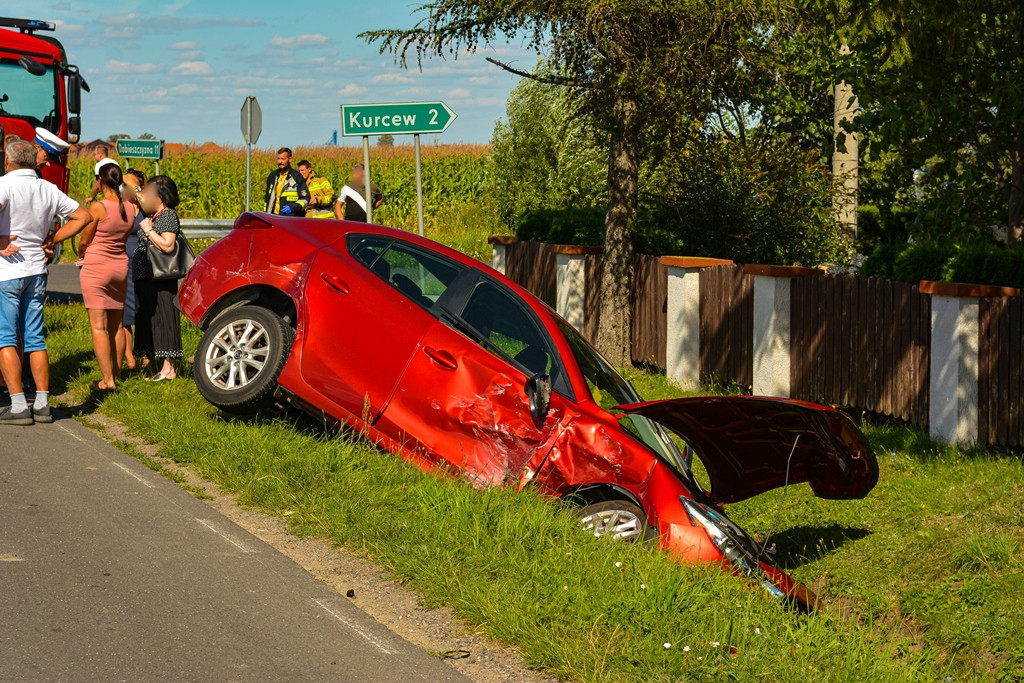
x,y
456,209
213,185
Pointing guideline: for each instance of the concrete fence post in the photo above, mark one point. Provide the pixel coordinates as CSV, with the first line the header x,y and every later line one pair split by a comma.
x,y
571,282
953,371
773,326
682,341
498,244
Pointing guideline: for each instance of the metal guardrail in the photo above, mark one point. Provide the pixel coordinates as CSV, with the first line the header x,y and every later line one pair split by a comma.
x,y
206,227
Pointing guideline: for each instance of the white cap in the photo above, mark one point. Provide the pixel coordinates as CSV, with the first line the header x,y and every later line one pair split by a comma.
x,y
50,142
103,162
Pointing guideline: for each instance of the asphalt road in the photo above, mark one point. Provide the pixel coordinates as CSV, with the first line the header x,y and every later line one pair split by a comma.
x,y
110,572
62,283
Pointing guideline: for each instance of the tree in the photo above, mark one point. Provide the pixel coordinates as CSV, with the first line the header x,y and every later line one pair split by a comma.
x,y
386,140
543,156
941,83
632,65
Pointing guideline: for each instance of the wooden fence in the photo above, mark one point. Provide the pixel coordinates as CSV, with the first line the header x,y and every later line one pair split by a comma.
x,y
857,342
861,342
727,326
532,265
1001,371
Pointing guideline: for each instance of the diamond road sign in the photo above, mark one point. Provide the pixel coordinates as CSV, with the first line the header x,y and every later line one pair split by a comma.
x,y
140,149
402,118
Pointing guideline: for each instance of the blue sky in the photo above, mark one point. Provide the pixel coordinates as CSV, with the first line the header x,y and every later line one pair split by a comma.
x,y
181,70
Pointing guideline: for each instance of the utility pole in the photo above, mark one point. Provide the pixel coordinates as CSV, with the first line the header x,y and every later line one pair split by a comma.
x,y
845,156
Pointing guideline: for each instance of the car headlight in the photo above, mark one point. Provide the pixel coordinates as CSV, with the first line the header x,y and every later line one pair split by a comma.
x,y
735,545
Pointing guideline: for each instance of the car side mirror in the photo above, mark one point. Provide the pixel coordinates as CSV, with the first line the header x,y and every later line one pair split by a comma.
x,y
538,392
75,125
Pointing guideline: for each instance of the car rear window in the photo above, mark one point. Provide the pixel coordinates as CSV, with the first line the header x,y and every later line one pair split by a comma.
x,y
419,275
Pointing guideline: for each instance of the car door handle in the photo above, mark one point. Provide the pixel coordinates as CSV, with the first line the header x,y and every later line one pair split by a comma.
x,y
335,283
441,357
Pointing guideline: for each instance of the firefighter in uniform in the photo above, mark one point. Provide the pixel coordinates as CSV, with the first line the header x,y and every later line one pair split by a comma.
x,y
287,193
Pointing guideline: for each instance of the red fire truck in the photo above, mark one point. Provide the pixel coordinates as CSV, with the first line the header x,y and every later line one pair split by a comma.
x,y
38,87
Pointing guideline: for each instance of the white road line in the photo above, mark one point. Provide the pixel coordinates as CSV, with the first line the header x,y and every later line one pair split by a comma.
x,y
70,433
132,474
369,637
233,541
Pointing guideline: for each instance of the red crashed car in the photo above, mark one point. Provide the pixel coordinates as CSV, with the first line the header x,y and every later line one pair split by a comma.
x,y
446,362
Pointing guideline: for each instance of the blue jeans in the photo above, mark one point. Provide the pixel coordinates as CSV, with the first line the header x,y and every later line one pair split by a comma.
x,y
21,312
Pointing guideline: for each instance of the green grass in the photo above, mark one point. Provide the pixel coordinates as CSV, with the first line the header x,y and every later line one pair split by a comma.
x,y
920,581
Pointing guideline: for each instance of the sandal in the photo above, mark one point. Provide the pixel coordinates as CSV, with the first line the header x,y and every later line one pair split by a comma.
x,y
159,377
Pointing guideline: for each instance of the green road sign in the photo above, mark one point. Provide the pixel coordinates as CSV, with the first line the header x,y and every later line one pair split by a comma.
x,y
402,118
140,149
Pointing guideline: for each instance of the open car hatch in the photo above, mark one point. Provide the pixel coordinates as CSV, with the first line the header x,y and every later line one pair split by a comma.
x,y
745,444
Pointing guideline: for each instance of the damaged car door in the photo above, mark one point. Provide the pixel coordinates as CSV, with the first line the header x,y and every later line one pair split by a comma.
x,y
369,302
485,391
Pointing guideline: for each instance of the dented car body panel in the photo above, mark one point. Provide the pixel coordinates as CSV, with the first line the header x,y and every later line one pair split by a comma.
x,y
440,359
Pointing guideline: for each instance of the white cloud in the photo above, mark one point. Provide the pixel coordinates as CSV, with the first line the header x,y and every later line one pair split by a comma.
x,y
185,45
416,91
116,66
155,109
184,89
191,54
64,27
164,23
480,80
193,69
391,78
459,93
304,40
352,89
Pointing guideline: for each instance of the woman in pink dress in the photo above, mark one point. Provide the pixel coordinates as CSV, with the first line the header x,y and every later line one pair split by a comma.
x,y
104,273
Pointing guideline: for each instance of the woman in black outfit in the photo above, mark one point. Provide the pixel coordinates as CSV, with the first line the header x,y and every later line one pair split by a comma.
x,y
157,322
134,180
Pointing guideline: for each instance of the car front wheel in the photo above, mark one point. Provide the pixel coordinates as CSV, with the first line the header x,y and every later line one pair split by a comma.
x,y
617,519
240,358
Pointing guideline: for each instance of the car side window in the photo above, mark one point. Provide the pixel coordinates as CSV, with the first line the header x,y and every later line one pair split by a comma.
x,y
506,324
419,275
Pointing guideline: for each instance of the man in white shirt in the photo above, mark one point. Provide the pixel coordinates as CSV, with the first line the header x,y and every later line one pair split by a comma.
x,y
100,154
28,207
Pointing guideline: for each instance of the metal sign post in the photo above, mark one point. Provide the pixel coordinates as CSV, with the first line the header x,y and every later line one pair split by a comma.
x,y
252,126
401,118
419,183
367,193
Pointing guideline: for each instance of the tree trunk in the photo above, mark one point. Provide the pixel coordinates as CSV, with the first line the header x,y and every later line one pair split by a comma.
x,y
1015,225
614,337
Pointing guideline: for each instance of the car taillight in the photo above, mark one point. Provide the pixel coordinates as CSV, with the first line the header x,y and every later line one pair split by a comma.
x,y
251,221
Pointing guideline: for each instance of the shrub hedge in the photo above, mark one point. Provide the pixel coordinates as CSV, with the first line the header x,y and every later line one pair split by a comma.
x,y
982,264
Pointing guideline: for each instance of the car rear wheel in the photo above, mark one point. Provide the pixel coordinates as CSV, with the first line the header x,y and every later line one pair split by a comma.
x,y
240,358
617,519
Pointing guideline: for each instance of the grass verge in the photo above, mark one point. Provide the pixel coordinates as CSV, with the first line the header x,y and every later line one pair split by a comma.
x,y
921,580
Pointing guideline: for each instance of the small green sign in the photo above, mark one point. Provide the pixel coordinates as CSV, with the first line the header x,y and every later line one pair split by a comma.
x,y
140,149
401,118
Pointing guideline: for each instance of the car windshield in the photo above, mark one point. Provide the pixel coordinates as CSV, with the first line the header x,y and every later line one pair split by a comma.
x,y
28,97
609,389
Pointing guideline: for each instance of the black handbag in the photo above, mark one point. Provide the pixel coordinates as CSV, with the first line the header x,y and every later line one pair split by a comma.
x,y
172,266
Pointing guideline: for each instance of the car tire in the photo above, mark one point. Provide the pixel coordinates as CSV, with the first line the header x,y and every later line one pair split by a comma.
x,y
622,519
240,357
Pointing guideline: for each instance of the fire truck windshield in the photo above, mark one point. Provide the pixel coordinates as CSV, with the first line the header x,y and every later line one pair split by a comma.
x,y
28,97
